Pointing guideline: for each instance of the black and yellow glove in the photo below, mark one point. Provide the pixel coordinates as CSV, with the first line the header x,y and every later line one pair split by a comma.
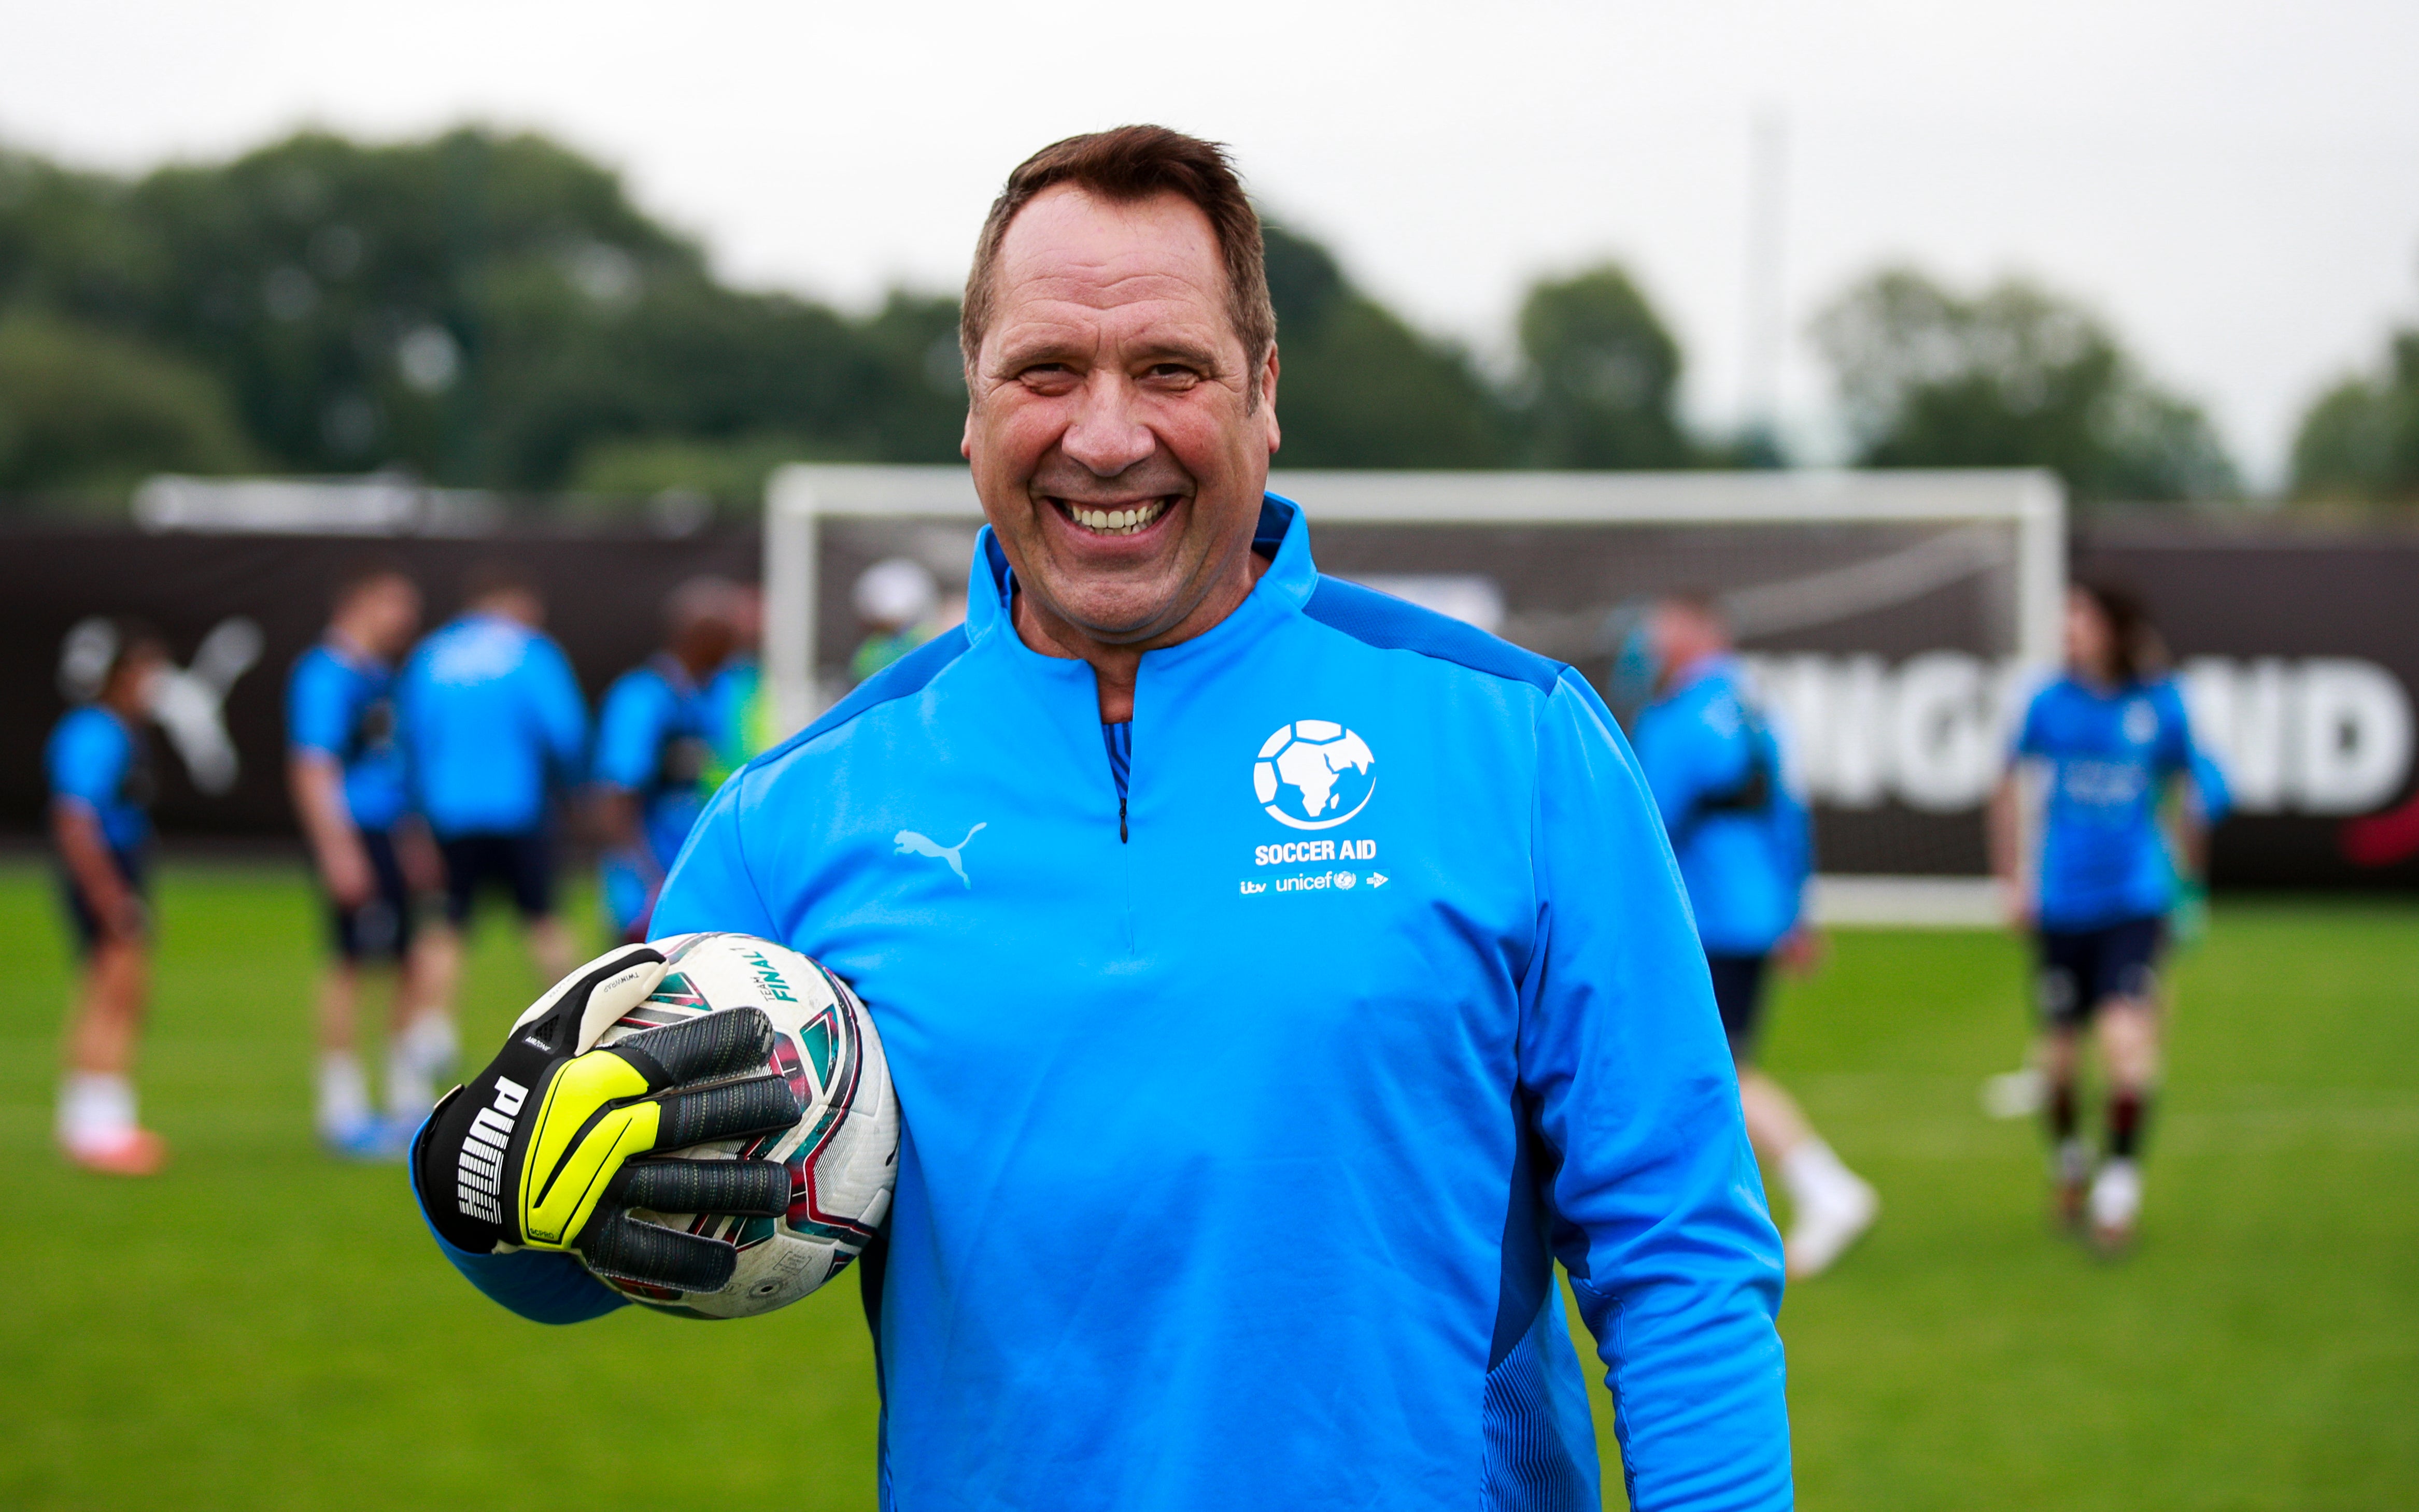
x,y
541,1149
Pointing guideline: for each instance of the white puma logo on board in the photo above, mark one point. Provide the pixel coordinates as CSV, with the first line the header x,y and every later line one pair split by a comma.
x,y
912,843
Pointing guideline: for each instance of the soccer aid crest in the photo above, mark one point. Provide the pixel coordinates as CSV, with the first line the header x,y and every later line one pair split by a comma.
x,y
1313,774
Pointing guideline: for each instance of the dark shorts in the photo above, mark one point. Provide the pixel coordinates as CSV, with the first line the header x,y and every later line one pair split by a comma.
x,y
522,863
381,928
133,866
1739,993
2082,968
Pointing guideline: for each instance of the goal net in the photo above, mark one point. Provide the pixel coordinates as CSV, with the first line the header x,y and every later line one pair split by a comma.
x,y
1888,617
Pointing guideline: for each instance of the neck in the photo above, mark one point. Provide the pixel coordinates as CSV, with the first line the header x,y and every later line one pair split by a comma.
x,y
1114,665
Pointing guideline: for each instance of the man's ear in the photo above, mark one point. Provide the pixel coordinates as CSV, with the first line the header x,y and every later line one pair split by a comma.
x,y
1269,398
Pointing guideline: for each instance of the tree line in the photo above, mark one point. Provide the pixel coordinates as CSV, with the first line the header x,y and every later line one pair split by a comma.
x,y
490,310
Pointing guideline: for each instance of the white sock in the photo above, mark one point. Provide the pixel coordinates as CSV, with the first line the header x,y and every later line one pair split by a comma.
x,y
1814,1175
418,1056
94,1108
344,1093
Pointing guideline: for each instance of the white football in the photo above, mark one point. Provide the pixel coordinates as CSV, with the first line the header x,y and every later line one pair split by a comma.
x,y
843,1151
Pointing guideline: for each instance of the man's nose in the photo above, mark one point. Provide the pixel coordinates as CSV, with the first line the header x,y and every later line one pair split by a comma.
x,y
1107,434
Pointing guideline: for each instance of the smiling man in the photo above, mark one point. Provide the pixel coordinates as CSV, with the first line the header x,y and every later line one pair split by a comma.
x,y
1308,975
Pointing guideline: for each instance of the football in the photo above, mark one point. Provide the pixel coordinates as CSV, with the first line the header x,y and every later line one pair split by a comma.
x,y
843,1151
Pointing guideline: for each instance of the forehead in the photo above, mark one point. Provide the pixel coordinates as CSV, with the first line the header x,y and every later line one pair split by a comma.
x,y
1073,256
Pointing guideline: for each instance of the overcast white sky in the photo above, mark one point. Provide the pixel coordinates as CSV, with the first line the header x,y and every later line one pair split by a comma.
x,y
2236,184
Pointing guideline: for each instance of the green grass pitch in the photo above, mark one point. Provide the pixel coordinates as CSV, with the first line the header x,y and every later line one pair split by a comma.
x,y
264,1328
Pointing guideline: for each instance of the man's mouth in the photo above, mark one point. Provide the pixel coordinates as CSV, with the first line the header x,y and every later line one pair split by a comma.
x,y
1124,520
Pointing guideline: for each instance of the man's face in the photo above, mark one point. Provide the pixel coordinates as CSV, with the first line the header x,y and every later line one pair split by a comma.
x,y
136,681
1681,635
2088,640
517,603
389,610
1112,427
704,643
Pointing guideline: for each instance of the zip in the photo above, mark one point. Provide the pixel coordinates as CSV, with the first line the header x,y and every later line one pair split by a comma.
x,y
1122,818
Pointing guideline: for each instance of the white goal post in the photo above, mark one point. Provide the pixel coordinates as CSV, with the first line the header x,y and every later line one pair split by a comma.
x,y
1879,546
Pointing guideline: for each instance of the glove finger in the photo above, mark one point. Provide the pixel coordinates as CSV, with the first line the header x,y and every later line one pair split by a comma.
x,y
760,1105
746,1188
556,1022
616,1244
712,1044
618,994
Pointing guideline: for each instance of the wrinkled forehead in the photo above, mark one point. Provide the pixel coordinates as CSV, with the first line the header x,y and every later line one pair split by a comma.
x,y
1070,255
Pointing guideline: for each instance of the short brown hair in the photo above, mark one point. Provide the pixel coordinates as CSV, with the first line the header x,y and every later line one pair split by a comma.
x,y
492,578
2134,643
1122,166
362,573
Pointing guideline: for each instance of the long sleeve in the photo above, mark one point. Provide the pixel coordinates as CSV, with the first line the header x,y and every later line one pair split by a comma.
x,y
1659,1209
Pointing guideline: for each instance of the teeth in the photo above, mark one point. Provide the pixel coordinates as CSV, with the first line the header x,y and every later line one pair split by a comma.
x,y
1118,521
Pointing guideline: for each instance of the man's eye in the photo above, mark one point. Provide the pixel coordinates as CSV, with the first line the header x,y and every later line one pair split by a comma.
x,y
1047,374
1169,372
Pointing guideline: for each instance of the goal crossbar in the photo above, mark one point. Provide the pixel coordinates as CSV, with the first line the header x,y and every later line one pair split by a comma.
x,y
2029,500
2031,503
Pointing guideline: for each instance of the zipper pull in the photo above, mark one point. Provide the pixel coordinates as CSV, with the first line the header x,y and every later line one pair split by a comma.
x,y
1122,818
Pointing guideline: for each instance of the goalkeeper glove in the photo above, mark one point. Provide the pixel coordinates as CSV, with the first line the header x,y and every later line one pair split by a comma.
x,y
542,1149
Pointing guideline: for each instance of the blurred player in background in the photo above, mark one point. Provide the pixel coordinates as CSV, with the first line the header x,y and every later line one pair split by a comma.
x,y
344,767
1745,852
493,722
738,704
895,599
2110,742
654,739
102,789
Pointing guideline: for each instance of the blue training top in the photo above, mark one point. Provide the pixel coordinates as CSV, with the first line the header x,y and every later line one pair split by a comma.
x,y
490,713
340,703
654,736
1741,835
95,761
1246,1111
2109,753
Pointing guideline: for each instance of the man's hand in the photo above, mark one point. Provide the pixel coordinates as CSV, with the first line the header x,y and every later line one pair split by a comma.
x,y
344,867
415,850
1801,951
317,783
542,1149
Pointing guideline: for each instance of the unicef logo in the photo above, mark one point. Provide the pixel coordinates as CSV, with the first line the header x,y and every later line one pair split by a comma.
x,y
1313,774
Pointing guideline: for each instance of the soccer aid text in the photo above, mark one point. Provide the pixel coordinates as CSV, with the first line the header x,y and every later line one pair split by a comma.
x,y
1295,851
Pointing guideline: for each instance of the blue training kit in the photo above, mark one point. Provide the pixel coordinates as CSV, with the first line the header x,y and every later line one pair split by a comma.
x,y
340,703
490,713
1743,840
654,738
1256,1063
93,758
2110,752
